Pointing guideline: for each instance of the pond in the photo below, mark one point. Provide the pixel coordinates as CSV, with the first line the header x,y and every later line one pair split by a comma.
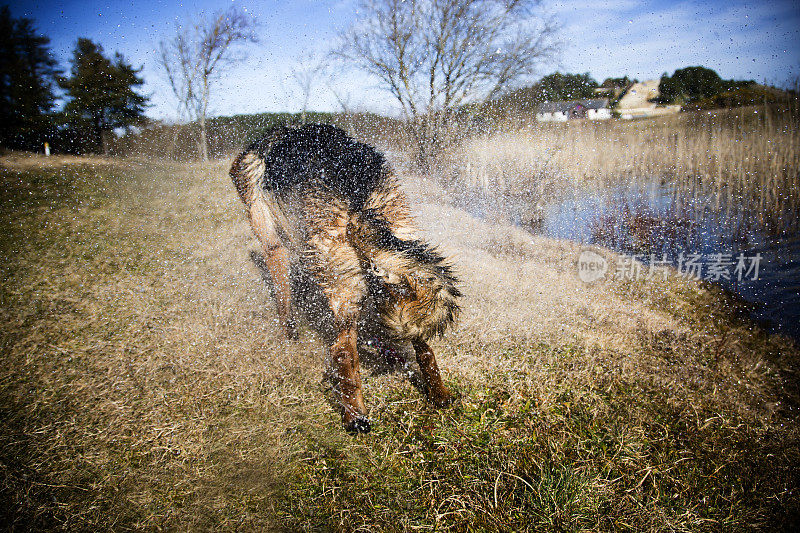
x,y
730,245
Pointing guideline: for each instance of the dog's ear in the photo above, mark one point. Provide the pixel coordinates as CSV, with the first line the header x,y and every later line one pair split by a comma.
x,y
377,271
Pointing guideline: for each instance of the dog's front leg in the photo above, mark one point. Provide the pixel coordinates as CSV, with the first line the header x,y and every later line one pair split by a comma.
x,y
347,377
433,387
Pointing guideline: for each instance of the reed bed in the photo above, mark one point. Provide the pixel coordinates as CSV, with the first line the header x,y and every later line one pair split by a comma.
x,y
747,155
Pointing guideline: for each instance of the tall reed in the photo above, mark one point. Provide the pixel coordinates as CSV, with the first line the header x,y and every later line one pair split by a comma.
x,y
729,157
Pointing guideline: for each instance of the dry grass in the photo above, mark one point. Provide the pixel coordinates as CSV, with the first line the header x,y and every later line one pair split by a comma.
x,y
144,384
745,155
138,362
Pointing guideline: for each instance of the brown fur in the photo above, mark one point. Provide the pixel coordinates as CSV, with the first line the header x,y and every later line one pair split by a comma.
x,y
330,207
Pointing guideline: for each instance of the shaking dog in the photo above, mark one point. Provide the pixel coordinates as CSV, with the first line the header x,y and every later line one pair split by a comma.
x,y
330,207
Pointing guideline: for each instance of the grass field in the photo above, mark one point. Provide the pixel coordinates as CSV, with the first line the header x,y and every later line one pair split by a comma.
x,y
144,384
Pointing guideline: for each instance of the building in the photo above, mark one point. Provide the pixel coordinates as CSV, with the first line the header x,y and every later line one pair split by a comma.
x,y
592,108
637,102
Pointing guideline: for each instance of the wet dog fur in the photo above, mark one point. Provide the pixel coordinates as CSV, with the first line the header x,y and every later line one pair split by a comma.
x,y
329,210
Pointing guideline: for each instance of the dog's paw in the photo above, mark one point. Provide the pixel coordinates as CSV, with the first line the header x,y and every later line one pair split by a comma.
x,y
291,330
442,399
359,424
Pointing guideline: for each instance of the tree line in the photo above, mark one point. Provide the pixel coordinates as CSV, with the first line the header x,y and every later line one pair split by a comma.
x,y
695,88
99,92
443,61
691,87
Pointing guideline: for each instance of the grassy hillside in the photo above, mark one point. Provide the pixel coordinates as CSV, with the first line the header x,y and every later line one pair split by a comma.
x,y
144,384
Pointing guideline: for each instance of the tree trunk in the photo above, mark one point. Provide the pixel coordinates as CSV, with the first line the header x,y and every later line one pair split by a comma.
x,y
104,141
97,136
203,115
174,146
203,139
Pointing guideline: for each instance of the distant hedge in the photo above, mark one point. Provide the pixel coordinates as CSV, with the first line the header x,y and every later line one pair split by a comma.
x,y
743,96
228,135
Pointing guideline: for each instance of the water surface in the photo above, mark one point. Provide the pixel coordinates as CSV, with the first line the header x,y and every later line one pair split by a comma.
x,y
656,222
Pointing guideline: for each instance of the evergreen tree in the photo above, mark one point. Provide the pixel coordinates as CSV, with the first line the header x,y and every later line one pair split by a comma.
x,y
617,83
100,95
554,87
689,85
27,75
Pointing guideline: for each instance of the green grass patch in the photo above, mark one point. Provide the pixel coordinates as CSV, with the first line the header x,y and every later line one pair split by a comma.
x,y
603,456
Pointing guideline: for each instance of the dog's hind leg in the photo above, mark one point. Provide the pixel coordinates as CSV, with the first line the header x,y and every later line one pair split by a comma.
x,y
277,260
432,384
276,257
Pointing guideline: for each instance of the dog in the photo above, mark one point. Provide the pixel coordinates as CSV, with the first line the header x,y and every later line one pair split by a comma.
x,y
331,208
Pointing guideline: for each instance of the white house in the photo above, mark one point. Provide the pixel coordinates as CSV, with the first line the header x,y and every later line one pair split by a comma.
x,y
593,109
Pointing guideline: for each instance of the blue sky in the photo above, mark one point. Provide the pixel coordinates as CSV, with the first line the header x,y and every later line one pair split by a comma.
x,y
743,40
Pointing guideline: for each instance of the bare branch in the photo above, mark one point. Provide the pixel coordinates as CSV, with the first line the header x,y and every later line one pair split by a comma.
x,y
434,56
195,58
306,73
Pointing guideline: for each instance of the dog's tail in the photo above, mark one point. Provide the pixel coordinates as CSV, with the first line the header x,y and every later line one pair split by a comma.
x,y
249,174
423,287
248,171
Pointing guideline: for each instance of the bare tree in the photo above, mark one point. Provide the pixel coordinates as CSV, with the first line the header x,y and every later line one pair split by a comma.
x,y
307,73
436,56
197,55
344,99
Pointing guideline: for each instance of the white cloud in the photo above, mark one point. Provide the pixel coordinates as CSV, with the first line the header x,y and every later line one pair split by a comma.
x,y
738,40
